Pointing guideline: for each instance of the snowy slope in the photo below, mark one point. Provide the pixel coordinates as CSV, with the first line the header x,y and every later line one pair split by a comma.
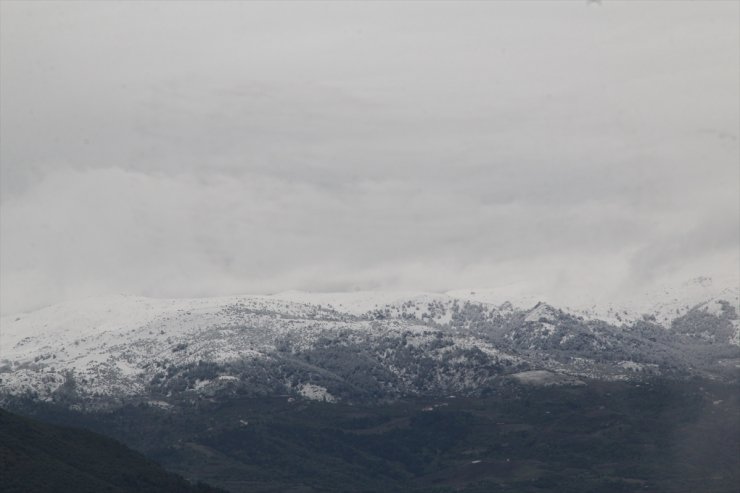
x,y
665,303
111,341
422,305
115,346
303,343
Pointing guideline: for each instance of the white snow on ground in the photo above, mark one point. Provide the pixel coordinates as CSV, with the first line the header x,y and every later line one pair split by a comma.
x,y
354,303
420,304
736,337
544,377
665,303
315,393
634,366
541,313
520,295
713,307
111,343
161,404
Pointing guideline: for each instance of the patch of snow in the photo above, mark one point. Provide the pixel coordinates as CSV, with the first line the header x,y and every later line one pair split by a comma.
x,y
735,339
160,404
545,378
200,384
634,366
541,312
355,302
713,307
315,393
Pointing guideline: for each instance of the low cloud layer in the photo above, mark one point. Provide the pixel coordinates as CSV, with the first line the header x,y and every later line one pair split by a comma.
x,y
199,149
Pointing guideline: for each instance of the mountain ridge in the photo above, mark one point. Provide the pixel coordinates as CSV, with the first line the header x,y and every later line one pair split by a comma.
x,y
312,346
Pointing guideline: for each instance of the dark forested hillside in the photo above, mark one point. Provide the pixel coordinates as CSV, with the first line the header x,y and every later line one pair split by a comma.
x,y
38,457
656,435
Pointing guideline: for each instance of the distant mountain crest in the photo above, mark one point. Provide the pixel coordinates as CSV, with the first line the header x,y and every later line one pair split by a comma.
x,y
354,346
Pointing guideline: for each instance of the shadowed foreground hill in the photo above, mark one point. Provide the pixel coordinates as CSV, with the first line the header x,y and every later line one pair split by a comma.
x,y
37,457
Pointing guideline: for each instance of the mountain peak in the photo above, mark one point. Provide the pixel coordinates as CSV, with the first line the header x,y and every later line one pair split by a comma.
x,y
542,312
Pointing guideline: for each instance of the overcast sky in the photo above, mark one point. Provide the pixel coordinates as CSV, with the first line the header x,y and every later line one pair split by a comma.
x,y
198,148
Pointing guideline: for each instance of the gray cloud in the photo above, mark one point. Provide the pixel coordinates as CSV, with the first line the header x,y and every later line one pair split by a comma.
x,y
193,149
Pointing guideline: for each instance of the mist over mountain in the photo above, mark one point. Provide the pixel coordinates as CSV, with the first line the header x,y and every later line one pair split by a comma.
x,y
198,150
364,247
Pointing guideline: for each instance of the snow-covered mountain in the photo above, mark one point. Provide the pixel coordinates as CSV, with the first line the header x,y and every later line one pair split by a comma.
x,y
353,346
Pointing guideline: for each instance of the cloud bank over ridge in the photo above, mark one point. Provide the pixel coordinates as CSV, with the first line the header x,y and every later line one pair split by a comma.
x,y
204,149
